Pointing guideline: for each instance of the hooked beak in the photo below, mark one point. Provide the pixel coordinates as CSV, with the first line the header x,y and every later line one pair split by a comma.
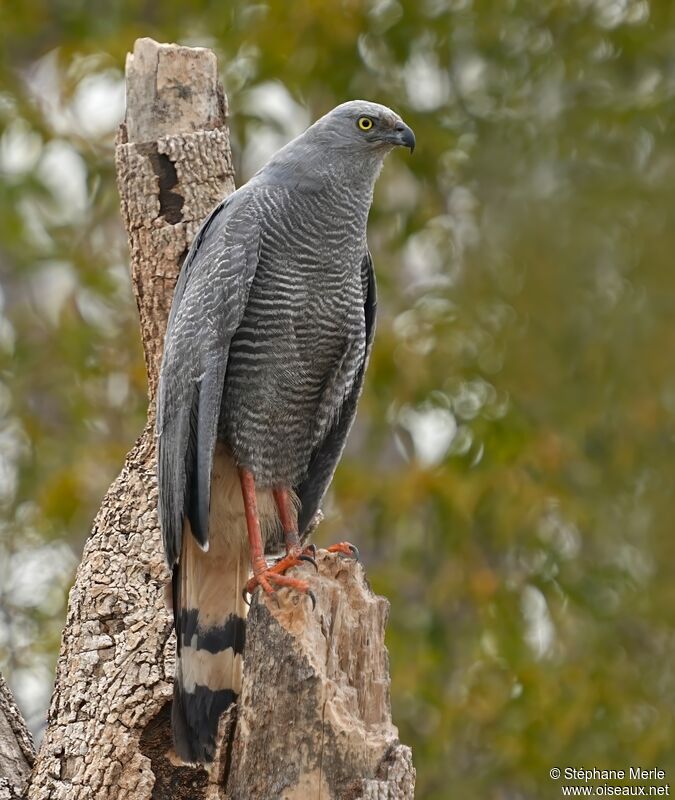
x,y
404,136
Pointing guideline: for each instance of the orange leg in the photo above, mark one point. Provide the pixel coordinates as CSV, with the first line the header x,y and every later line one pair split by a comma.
x,y
294,549
293,546
262,574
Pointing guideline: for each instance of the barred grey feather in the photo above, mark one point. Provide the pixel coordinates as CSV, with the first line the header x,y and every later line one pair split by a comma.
x,y
208,305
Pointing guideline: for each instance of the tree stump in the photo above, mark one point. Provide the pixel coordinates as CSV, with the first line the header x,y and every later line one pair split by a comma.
x,y
313,718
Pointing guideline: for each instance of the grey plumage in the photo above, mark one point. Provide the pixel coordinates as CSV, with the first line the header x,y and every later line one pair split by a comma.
x,y
272,324
208,305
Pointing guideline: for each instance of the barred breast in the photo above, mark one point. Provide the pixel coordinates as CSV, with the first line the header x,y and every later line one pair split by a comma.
x,y
301,342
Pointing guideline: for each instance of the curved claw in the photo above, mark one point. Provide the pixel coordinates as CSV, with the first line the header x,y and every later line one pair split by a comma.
x,y
312,597
345,549
243,596
309,560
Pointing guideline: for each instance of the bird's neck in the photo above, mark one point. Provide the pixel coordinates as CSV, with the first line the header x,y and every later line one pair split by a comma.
x,y
316,174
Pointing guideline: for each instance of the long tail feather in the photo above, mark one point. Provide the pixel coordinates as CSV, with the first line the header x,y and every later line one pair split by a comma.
x,y
209,613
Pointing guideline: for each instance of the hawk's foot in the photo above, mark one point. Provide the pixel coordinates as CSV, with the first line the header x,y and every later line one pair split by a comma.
x,y
271,577
346,549
300,553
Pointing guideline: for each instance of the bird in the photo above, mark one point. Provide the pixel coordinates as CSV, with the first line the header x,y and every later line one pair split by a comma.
x,y
267,341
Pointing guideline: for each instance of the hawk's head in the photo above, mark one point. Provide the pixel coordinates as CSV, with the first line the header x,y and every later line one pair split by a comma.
x,y
363,126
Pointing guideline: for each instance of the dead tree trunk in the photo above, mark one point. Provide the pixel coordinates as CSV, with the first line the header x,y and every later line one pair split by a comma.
x,y
314,720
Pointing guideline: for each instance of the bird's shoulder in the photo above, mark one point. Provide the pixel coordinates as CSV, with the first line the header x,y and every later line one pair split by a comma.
x,y
215,274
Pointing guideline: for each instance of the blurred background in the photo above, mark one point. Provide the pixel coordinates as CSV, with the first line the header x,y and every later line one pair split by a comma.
x,y
509,478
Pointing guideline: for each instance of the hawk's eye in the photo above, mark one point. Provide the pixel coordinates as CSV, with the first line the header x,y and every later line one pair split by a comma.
x,y
365,123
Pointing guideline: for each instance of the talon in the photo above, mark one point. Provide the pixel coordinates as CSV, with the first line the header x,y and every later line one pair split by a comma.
x,y
345,549
259,579
309,560
312,597
244,598
272,577
286,581
285,563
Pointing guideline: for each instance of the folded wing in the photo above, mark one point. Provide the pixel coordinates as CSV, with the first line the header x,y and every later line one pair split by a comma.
x,y
208,305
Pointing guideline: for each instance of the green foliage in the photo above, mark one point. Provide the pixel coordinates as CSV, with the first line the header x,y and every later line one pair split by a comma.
x,y
508,478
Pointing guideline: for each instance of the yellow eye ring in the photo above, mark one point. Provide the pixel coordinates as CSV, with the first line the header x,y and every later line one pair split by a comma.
x,y
365,123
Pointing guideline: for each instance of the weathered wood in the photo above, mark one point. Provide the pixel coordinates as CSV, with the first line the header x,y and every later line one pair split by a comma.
x,y
173,166
16,747
314,718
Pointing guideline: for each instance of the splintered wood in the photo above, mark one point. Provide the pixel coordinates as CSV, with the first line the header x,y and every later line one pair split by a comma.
x,y
314,718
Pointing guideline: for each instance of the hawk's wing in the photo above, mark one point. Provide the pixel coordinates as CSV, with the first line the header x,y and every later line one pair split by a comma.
x,y
208,305
326,457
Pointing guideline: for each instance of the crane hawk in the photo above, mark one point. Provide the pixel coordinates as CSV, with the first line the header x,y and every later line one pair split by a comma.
x,y
266,346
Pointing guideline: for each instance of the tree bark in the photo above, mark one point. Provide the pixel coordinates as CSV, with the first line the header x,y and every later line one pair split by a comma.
x,y
314,720
16,747
108,724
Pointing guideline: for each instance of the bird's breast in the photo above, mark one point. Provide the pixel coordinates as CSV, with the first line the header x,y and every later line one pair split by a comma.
x,y
291,364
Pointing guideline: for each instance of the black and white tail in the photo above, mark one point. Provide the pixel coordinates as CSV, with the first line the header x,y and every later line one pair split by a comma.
x,y
209,614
